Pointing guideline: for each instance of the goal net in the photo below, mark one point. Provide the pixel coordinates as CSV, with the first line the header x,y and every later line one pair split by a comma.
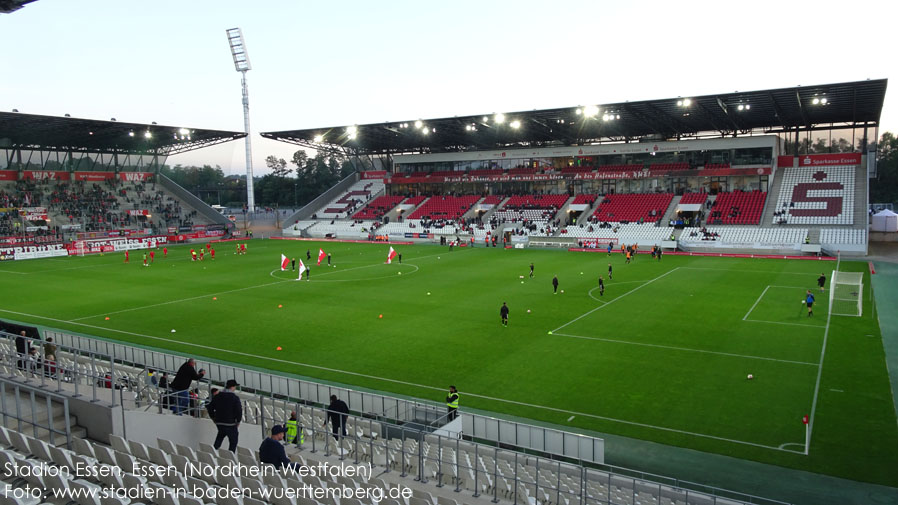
x,y
846,293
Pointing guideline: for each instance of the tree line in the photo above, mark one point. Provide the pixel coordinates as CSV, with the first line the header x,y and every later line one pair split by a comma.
x,y
288,184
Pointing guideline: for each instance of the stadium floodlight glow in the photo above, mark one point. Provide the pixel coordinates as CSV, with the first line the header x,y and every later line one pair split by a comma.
x,y
419,124
318,139
515,124
590,111
486,119
815,101
823,101
424,131
148,134
183,131
352,132
242,65
617,116
130,134
499,118
686,102
579,111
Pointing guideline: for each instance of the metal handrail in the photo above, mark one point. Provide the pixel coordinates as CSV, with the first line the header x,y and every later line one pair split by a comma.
x,y
503,474
32,392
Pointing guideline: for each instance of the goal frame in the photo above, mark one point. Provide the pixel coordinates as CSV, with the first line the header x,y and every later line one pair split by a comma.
x,y
846,293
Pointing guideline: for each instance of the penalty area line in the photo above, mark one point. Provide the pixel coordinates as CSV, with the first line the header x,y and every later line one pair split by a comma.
x,y
396,381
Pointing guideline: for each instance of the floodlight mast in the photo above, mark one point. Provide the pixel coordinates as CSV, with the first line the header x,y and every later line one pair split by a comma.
x,y
242,65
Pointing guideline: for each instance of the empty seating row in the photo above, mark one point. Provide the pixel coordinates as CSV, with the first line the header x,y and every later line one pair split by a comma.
x,y
353,198
585,199
625,234
737,207
633,207
378,207
816,195
746,236
444,207
670,166
836,236
693,198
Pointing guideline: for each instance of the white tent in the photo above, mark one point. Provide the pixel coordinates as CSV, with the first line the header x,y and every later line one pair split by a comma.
x,y
885,220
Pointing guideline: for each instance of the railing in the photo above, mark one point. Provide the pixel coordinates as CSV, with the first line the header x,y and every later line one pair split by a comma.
x,y
84,369
308,209
397,410
20,403
482,469
192,200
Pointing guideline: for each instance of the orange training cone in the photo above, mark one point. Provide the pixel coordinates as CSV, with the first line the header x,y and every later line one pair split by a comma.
x,y
380,316
279,348
280,306
107,318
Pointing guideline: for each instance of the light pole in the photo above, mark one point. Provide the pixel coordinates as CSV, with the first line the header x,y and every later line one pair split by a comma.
x,y
242,65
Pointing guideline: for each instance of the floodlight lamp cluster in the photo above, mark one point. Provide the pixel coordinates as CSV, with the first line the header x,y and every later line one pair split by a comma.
x,y
685,102
819,100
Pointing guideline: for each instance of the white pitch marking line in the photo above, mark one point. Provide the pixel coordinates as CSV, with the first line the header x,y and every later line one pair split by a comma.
x,y
593,297
817,384
637,288
837,390
571,418
396,381
11,272
790,287
754,271
781,322
745,318
687,349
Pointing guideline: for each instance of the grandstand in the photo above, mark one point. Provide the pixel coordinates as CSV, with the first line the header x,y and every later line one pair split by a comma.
x,y
66,179
741,178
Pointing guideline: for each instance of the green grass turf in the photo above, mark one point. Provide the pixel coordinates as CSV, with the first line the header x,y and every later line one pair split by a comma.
x,y
664,358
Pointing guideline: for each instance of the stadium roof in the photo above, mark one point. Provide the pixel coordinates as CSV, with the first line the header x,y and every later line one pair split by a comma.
x,y
30,131
820,107
7,6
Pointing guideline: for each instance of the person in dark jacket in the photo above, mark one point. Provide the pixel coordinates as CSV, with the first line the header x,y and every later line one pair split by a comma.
x,y
272,450
227,412
180,385
21,350
337,412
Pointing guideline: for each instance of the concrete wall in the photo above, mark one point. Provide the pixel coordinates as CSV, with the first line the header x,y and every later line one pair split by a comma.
x,y
146,427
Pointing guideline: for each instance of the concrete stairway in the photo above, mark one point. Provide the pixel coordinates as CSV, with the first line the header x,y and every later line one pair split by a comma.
x,y
671,210
774,187
38,411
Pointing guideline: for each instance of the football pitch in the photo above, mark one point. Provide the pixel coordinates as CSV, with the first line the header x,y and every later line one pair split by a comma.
x,y
663,355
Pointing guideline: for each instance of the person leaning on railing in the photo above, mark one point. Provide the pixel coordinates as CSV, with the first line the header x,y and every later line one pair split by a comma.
x,y
180,385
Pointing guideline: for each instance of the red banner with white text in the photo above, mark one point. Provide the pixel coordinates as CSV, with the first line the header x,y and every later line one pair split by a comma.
x,y
94,176
46,175
8,175
77,247
135,176
822,160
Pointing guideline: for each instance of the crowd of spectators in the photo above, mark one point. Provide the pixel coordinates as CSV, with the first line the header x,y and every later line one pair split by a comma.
x,y
93,206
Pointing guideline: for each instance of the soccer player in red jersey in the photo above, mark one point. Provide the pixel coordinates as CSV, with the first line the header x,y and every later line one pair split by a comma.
x,y
165,252
202,254
152,256
212,252
126,256
243,248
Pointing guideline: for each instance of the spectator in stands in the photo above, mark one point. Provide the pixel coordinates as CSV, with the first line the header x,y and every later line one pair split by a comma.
x,y
226,412
452,401
49,355
21,350
272,450
295,433
337,412
181,385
